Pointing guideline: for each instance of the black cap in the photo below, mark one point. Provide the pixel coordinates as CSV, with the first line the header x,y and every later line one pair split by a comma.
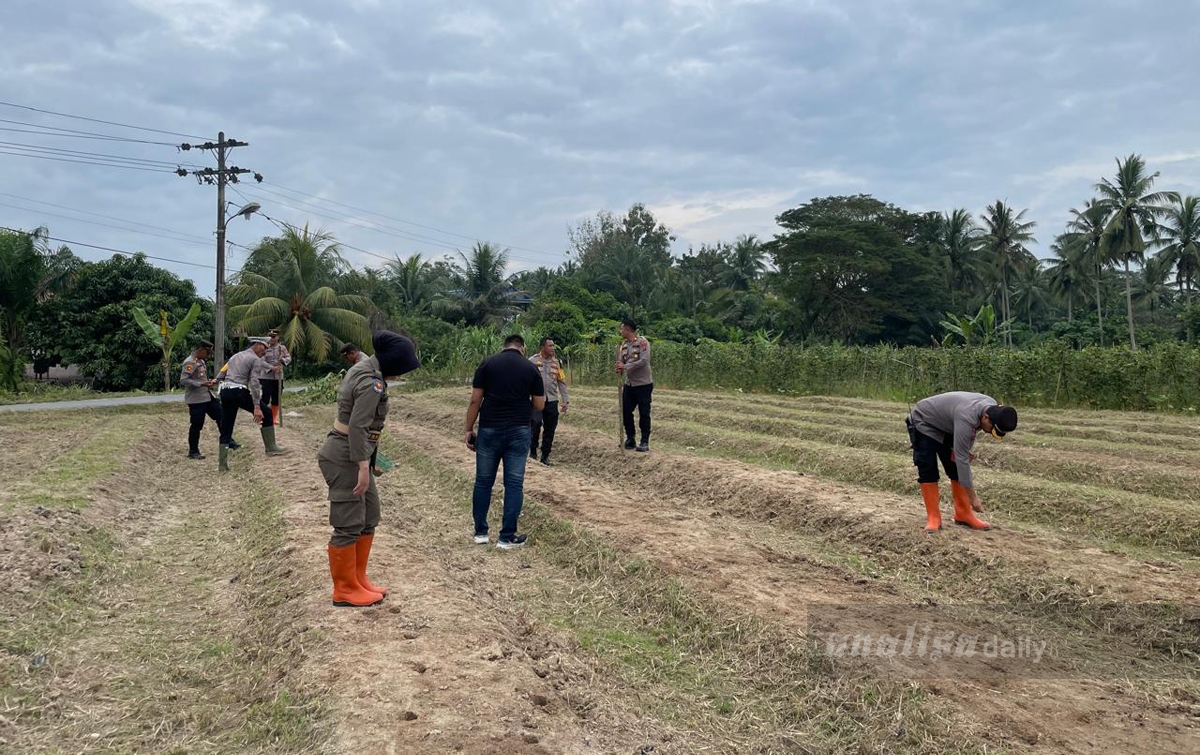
x,y
347,348
205,345
1004,419
396,354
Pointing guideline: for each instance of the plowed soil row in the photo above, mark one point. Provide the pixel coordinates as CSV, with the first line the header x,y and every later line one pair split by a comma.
x,y
679,516
1099,516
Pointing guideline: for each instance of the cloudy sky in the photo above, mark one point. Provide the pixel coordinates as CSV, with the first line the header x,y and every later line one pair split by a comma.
x,y
511,121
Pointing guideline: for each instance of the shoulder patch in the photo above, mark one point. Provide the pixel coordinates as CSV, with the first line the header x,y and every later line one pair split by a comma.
x,y
378,386
188,367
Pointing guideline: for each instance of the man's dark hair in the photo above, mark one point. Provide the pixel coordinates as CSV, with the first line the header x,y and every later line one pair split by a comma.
x,y
514,340
629,323
347,348
1004,418
205,345
542,345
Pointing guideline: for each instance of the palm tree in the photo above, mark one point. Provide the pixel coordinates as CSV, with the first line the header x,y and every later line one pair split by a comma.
x,y
1181,233
1151,287
291,282
1133,215
482,292
1085,237
30,273
414,280
745,264
1004,241
1030,288
959,238
1067,273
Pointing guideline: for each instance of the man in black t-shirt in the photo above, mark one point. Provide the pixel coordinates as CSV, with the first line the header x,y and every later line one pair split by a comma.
x,y
505,392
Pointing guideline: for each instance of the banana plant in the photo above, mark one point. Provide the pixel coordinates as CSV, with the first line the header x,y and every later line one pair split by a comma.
x,y
981,328
166,337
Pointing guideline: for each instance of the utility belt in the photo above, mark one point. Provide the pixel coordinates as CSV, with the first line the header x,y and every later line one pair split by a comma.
x,y
342,428
230,384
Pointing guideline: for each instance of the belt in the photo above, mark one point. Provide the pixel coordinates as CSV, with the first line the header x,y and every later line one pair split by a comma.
x,y
231,384
344,429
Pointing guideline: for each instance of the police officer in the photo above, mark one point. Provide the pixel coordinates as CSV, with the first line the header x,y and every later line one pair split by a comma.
x,y
943,427
633,361
555,381
345,461
242,389
200,401
351,354
276,357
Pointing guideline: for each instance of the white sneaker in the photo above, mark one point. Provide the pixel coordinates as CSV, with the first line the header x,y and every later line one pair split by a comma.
x,y
480,539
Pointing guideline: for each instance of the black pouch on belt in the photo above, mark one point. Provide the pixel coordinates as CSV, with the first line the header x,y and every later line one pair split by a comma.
x,y
912,433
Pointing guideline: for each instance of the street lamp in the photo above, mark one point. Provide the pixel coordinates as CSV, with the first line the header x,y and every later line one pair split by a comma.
x,y
245,211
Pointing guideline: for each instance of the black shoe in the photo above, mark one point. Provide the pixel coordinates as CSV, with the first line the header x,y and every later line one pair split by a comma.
x,y
629,444
644,446
510,542
533,453
546,461
195,455
233,445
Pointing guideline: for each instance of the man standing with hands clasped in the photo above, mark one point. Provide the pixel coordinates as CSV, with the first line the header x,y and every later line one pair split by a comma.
x,y
633,361
507,389
197,395
555,382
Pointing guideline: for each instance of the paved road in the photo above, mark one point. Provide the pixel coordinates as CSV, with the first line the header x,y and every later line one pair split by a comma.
x,y
108,403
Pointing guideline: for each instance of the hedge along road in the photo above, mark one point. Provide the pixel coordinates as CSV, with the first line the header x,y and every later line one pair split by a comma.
x,y
108,403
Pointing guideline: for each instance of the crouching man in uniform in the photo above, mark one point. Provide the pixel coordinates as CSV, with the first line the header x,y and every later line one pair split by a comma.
x,y
345,461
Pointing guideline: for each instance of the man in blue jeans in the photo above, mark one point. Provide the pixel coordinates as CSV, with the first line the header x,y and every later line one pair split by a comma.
x,y
507,389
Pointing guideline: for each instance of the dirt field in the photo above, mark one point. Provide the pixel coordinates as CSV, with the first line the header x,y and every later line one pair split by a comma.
x,y
665,605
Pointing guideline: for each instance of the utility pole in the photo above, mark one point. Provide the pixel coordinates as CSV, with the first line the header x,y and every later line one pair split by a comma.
x,y
219,177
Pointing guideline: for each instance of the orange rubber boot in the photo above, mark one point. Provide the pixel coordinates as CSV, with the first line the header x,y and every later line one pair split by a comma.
x,y
362,554
962,509
346,590
275,415
933,511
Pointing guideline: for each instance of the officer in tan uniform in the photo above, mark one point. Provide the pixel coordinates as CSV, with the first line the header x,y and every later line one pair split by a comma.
x,y
555,381
242,389
201,403
277,357
633,362
345,461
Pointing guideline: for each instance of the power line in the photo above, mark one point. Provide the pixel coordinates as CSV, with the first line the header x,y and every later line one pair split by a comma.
x,y
108,225
408,222
106,217
90,154
371,226
125,252
88,162
45,130
97,120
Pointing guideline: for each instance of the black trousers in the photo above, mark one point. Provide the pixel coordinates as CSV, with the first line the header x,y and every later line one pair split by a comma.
x,y
270,393
547,417
198,413
233,399
928,451
639,396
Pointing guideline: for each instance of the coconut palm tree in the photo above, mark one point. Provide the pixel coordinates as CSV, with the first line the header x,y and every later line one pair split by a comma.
x,y
1085,237
745,264
1066,273
1181,235
1030,288
30,273
415,280
1152,285
1006,233
292,282
959,238
1133,219
482,291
